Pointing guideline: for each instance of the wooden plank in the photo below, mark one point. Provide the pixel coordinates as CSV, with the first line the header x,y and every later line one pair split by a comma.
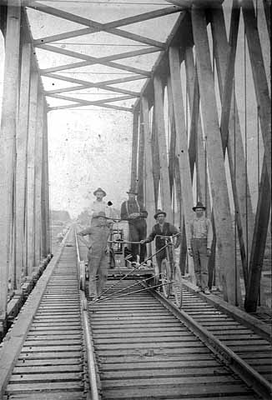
x,y
95,60
180,391
239,179
114,24
49,349
196,140
259,78
229,72
38,176
28,388
257,326
86,84
45,239
14,339
31,206
86,102
21,162
87,31
103,105
7,148
172,144
95,26
160,133
193,94
142,17
77,355
166,380
141,161
113,57
134,150
71,395
3,19
149,182
155,158
188,3
48,368
267,11
182,146
24,379
218,182
259,242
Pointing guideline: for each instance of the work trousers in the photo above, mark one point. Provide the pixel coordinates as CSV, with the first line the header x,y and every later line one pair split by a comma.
x,y
199,249
98,263
159,257
137,232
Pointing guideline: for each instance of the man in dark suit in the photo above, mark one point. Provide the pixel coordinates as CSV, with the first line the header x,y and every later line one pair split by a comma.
x,y
135,213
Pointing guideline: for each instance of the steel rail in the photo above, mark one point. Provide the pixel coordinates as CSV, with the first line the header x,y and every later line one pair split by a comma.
x,y
251,377
94,380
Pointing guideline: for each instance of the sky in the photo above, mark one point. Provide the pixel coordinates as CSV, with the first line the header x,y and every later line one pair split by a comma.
x,y
87,150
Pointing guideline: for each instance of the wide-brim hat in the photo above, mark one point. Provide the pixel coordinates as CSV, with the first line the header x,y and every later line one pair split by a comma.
x,y
132,191
100,190
199,205
100,214
159,212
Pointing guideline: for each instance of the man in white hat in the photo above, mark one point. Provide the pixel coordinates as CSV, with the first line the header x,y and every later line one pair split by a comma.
x,y
98,261
98,205
201,236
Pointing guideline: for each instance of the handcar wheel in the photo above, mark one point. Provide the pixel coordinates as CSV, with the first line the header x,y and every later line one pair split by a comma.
x,y
153,281
177,286
166,277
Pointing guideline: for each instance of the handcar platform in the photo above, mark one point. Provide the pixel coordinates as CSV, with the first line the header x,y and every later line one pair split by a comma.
x,y
124,268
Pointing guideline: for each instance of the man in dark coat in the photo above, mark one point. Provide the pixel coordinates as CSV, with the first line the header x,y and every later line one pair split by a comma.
x,y
162,228
134,212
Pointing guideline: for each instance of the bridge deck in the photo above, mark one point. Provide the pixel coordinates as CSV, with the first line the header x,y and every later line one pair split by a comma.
x,y
43,354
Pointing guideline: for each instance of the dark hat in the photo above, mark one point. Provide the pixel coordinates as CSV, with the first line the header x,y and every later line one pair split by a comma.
x,y
132,191
100,214
159,212
199,205
100,190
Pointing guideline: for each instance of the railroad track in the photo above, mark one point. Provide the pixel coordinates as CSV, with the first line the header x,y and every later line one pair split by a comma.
x,y
143,351
139,346
43,354
252,343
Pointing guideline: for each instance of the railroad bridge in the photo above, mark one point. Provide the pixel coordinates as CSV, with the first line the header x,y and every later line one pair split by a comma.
x,y
193,77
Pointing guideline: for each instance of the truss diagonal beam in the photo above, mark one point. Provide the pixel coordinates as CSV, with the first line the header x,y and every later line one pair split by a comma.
x,y
95,26
198,3
101,60
259,78
93,60
85,84
101,83
90,102
111,106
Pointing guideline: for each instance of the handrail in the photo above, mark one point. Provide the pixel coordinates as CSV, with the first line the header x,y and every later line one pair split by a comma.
x,y
92,372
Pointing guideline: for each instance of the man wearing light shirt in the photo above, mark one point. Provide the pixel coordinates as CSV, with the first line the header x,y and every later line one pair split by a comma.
x,y
200,243
98,261
98,205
